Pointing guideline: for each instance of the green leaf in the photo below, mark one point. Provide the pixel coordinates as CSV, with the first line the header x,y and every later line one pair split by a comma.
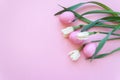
x,y
74,7
106,25
111,19
105,19
107,40
71,8
103,6
100,11
106,54
103,41
92,24
101,44
81,18
111,34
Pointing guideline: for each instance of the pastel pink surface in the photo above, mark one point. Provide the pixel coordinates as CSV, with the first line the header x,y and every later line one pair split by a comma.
x,y
33,48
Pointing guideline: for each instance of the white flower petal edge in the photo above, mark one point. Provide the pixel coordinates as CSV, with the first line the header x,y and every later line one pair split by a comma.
x,y
67,31
74,55
83,35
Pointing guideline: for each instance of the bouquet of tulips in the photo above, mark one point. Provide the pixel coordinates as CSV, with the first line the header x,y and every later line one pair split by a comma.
x,y
79,34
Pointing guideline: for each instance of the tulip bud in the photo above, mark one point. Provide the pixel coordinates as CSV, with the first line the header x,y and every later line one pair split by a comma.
x,y
67,31
89,49
67,17
73,38
83,35
74,55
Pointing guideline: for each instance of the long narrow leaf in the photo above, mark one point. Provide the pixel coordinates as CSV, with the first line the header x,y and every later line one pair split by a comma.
x,y
74,7
112,19
103,41
81,17
92,24
106,54
108,39
105,19
100,11
111,34
103,6
106,25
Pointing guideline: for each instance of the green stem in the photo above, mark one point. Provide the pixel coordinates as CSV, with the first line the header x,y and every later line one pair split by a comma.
x,y
111,34
105,25
78,27
107,40
83,19
98,25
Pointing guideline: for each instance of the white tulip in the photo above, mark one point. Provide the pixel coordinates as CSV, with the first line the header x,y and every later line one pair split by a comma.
x,y
83,35
74,55
67,31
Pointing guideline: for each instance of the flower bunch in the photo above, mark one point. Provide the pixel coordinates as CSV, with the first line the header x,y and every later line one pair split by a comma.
x,y
80,34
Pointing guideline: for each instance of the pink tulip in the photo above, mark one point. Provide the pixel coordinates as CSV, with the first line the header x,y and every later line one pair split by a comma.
x,y
74,39
67,17
89,49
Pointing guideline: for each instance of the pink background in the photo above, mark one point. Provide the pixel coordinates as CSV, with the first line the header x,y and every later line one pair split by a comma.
x,y
32,47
